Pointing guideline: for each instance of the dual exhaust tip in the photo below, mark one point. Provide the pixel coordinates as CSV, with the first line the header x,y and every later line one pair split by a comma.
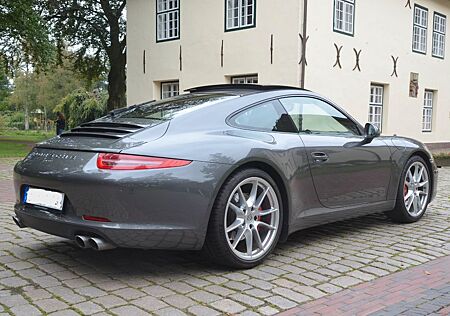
x,y
84,242
93,242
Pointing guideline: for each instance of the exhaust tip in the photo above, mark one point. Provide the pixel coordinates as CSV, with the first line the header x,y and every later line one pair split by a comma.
x,y
93,244
18,222
99,244
82,241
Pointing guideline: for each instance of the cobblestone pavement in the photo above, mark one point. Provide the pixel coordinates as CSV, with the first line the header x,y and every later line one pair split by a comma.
x,y
42,274
421,290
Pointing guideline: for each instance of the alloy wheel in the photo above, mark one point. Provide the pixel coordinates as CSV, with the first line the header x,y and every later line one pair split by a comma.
x,y
416,189
252,218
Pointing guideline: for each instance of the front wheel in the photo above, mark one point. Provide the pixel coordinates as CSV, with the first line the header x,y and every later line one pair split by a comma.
x,y
246,219
414,192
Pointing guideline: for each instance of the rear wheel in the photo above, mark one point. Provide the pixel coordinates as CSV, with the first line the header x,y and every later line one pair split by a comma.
x,y
413,193
245,222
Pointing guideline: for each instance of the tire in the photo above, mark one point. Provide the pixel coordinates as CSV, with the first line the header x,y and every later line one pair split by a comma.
x,y
412,196
240,216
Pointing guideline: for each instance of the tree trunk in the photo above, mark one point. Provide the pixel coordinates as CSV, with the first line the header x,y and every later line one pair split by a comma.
x,y
117,81
45,119
27,117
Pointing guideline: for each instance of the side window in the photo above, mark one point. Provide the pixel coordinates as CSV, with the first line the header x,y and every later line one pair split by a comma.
x,y
314,116
269,117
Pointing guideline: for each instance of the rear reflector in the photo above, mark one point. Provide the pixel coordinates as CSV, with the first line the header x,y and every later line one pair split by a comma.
x,y
131,162
95,219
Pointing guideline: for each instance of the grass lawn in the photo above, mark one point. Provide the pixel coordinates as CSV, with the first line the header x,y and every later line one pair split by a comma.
x,y
25,136
19,143
10,149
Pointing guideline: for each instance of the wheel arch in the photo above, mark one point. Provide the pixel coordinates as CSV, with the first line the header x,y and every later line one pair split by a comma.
x,y
426,157
276,176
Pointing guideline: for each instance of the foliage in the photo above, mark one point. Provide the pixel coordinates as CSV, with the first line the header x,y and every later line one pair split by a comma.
x,y
5,87
43,91
24,36
95,29
81,106
16,120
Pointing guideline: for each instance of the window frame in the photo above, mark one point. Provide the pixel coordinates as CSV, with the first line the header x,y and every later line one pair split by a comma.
x,y
444,34
373,105
426,107
226,29
335,29
335,106
157,13
229,119
245,77
162,83
416,6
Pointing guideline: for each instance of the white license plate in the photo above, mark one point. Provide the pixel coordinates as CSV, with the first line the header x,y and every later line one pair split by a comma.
x,y
50,199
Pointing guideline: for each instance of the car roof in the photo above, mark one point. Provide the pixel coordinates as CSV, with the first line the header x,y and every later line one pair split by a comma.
x,y
241,89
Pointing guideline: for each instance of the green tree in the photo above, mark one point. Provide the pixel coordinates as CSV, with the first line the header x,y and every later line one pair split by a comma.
x,y
24,37
96,31
24,95
5,88
44,90
81,106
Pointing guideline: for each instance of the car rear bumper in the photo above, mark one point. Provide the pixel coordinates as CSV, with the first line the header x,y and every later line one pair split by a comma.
x,y
151,209
146,236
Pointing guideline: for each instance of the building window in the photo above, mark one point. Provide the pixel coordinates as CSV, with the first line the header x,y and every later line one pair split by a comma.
x,y
376,105
170,89
249,79
240,14
344,16
439,30
167,20
427,117
420,29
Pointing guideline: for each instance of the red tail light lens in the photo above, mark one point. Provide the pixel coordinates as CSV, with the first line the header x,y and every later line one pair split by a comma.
x,y
131,162
95,219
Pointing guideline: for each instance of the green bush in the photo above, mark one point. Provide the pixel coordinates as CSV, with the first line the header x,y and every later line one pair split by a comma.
x,y
16,120
81,106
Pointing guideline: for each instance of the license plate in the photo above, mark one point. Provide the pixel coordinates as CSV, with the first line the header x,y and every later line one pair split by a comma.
x,y
45,198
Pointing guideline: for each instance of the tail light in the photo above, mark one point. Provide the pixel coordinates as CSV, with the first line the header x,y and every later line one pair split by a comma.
x,y
132,162
95,219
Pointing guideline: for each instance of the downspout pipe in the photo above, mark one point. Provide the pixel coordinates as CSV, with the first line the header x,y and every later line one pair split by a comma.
x,y
304,34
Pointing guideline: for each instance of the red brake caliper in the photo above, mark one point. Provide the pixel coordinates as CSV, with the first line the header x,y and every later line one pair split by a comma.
x,y
405,190
259,218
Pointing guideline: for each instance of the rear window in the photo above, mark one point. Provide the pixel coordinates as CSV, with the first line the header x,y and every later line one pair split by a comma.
x,y
268,117
168,108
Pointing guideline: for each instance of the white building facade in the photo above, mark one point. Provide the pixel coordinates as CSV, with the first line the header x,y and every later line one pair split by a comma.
x,y
383,61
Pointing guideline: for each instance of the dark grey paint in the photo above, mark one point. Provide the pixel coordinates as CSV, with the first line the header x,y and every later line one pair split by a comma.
x,y
170,208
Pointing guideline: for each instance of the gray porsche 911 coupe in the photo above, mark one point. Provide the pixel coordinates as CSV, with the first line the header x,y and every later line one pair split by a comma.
x,y
230,169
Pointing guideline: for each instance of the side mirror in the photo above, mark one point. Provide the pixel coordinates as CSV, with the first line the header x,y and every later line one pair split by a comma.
x,y
370,132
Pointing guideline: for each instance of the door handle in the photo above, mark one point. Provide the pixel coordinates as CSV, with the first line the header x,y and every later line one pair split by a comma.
x,y
319,157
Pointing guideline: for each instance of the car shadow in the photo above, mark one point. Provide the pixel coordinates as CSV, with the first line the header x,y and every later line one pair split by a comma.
x,y
172,264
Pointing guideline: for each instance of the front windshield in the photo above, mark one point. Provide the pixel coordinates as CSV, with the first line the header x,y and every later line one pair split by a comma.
x,y
166,109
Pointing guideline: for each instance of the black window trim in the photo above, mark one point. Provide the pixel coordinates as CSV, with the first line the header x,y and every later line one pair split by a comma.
x,y
335,106
354,19
278,98
434,31
226,29
426,28
167,11
167,82
230,123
